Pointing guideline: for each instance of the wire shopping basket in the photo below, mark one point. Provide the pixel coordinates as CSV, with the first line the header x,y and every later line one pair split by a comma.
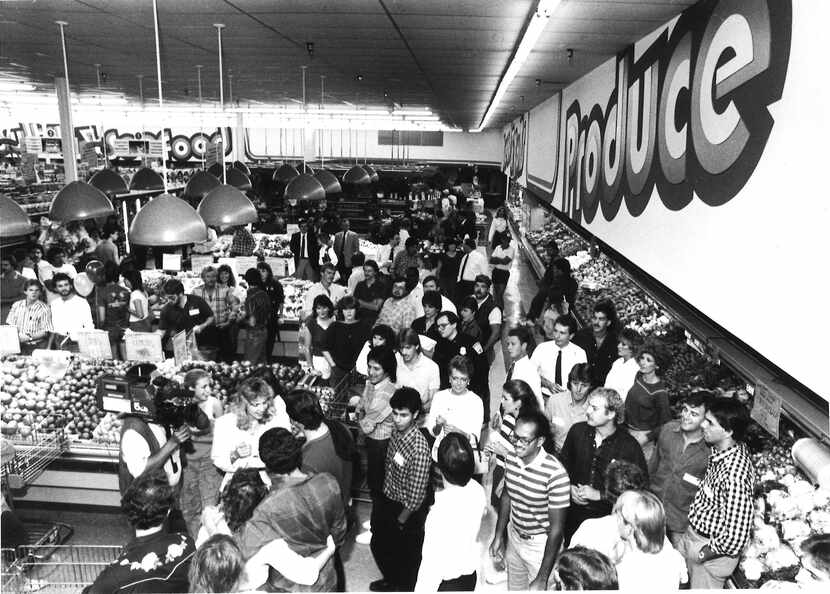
x,y
336,404
57,568
33,454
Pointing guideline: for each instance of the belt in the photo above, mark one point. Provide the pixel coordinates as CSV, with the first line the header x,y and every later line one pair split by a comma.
x,y
700,532
525,536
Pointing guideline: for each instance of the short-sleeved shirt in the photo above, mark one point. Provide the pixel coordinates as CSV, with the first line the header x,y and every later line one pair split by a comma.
x,y
30,318
534,490
424,377
364,292
174,319
219,300
115,300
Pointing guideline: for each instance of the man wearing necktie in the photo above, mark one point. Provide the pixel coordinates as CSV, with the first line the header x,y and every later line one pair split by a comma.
x,y
305,249
555,358
346,245
473,263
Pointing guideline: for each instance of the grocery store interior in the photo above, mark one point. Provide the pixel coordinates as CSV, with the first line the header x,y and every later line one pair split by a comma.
x,y
586,230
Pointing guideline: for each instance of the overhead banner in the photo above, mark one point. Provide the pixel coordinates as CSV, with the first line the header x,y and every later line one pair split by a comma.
x,y
515,149
543,145
696,154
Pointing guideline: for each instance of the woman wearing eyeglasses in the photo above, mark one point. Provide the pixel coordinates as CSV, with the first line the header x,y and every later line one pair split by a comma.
x,y
457,410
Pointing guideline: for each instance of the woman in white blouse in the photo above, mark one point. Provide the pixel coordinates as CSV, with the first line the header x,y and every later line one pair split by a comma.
x,y
457,410
236,433
624,370
451,553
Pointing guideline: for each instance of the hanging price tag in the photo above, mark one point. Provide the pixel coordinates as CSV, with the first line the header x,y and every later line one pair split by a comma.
x,y
766,409
199,263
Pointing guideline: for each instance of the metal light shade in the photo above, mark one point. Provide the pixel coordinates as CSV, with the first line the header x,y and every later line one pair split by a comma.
x,y
167,221
356,175
373,175
225,206
216,170
237,179
200,184
242,167
13,219
109,182
285,173
146,179
305,187
305,168
329,181
78,201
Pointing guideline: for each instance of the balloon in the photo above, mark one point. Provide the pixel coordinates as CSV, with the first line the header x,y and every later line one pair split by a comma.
x,y
83,284
95,270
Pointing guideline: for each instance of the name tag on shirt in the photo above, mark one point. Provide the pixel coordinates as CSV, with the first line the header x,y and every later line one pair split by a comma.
x,y
692,480
193,312
399,459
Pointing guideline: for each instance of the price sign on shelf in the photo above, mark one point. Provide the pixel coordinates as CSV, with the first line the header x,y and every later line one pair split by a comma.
x,y
243,263
171,262
199,263
95,344
181,352
9,340
766,409
143,346
277,265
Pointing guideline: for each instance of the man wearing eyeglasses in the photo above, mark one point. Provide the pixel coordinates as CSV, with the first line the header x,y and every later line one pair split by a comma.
x,y
533,506
451,344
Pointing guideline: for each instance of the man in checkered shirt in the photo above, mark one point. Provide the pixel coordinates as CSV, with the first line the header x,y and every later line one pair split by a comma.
x,y
720,517
398,516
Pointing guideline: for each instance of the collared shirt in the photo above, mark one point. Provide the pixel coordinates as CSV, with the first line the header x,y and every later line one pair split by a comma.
x,y
622,376
647,405
472,265
258,306
243,243
422,376
70,316
219,300
676,469
402,262
377,422
500,252
586,462
328,256
464,411
600,357
31,318
723,506
407,468
524,369
398,314
450,535
534,490
355,277
363,291
563,413
334,292
544,356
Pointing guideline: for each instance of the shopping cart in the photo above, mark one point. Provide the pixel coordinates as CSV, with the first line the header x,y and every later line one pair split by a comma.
x,y
33,453
56,568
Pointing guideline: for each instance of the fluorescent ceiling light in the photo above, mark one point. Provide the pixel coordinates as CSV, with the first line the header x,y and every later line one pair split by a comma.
x,y
534,29
9,85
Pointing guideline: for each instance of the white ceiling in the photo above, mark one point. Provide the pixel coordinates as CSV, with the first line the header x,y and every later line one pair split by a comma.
x,y
445,54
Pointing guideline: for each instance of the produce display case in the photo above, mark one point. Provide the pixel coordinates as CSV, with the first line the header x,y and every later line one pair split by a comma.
x,y
791,504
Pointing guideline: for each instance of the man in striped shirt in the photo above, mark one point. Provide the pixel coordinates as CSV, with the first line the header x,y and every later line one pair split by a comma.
x,y
720,517
534,501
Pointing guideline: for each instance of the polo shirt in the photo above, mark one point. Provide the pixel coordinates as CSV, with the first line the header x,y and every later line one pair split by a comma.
x,y
534,490
422,376
544,356
563,414
174,319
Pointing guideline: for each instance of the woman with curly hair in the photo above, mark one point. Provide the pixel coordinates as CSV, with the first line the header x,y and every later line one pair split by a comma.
x,y
254,410
647,404
218,565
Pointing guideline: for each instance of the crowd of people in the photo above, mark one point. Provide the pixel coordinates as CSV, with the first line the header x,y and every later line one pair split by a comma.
x,y
596,480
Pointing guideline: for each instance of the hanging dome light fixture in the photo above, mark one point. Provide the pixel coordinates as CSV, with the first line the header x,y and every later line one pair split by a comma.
x,y
356,175
146,179
328,181
236,178
167,221
78,201
226,206
200,184
14,221
109,182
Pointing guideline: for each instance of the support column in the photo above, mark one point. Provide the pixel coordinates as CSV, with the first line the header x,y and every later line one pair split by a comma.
x,y
70,156
239,141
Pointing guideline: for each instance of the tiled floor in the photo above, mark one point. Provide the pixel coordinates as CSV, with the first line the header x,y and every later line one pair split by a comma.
x,y
96,528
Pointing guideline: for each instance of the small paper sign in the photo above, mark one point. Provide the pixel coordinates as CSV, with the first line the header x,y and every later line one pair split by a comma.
x,y
766,409
9,341
52,363
199,263
143,346
95,344
243,263
28,171
181,352
277,265
33,145
171,262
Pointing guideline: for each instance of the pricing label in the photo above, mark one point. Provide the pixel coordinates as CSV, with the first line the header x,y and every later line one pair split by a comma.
x,y
171,262
143,346
9,340
766,409
181,352
95,344
199,263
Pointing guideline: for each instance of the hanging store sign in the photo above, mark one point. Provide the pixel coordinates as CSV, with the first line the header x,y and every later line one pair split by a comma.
x,y
515,145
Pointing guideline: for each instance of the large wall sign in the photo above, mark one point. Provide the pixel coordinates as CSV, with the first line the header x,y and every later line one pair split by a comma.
x,y
543,137
697,154
515,148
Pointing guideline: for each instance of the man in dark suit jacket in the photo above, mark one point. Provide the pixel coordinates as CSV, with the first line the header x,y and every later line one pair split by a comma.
x,y
346,244
306,252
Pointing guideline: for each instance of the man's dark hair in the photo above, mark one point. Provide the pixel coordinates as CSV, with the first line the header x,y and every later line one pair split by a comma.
x,y
484,279
432,299
281,452
623,476
303,407
407,398
61,276
430,278
148,500
399,279
328,266
372,264
455,459
109,229
537,418
452,318
580,568
253,277
385,357
462,364
54,251
606,306
241,495
568,321
469,303
523,334
581,372
173,287
731,415
358,259
410,242
697,398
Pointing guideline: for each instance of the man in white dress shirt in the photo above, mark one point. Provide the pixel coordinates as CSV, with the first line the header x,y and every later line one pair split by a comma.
x,y
473,263
555,358
70,314
521,367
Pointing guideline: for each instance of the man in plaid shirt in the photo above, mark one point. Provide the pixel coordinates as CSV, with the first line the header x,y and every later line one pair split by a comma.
x,y
398,516
243,243
720,517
